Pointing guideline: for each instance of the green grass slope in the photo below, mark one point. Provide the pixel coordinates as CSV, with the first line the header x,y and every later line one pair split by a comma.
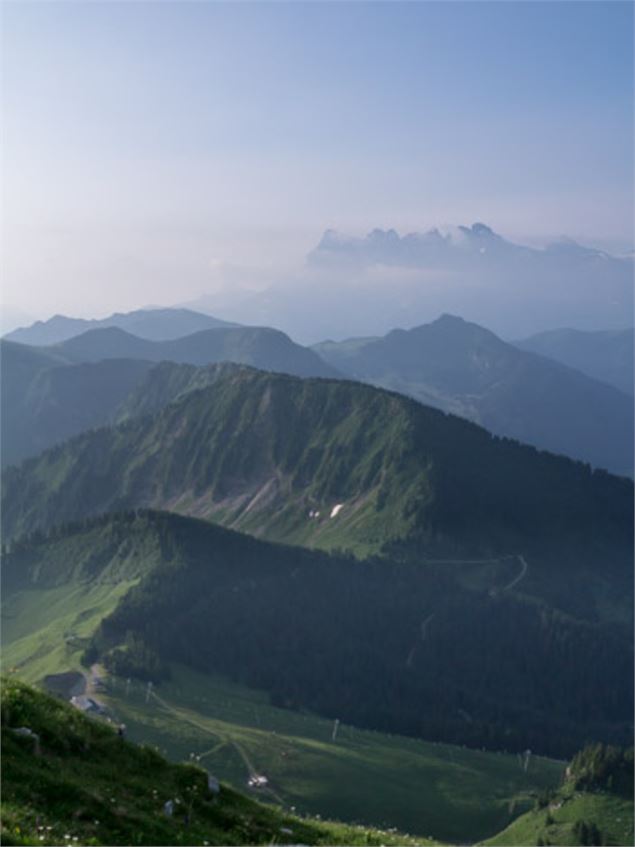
x,y
53,602
274,455
88,786
593,806
446,791
566,820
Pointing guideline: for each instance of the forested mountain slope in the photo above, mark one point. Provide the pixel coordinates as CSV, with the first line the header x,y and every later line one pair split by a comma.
x,y
459,652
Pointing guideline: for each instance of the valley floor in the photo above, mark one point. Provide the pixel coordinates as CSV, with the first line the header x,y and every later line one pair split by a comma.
x,y
434,790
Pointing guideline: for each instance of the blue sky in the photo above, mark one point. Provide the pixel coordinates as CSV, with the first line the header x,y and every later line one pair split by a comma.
x,y
148,142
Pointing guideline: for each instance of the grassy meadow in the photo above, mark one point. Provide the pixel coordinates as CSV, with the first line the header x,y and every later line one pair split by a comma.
x,y
437,790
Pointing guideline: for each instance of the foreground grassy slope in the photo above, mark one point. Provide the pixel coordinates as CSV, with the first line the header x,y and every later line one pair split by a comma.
x,y
593,806
610,815
419,787
88,786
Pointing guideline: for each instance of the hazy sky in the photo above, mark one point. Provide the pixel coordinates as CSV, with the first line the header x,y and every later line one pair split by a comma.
x,y
145,145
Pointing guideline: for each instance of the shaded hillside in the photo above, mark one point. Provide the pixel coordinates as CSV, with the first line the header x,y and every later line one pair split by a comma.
x,y
447,651
88,785
153,324
463,368
328,463
261,347
605,355
45,401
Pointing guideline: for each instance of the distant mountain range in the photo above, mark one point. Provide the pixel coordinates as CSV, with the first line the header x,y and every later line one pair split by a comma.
x,y
360,286
46,400
152,324
607,356
456,247
263,347
52,393
462,368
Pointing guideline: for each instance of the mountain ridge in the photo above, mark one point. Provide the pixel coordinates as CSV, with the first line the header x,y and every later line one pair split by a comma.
x,y
152,324
52,393
606,355
270,348
461,367
261,451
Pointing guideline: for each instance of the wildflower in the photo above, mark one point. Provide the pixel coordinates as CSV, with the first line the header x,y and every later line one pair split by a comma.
x,y
67,838
41,837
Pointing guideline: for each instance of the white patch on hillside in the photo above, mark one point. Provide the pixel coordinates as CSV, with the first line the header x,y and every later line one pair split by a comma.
x,y
336,510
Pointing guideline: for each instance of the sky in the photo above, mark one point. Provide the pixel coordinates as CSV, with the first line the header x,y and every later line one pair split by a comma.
x,y
147,147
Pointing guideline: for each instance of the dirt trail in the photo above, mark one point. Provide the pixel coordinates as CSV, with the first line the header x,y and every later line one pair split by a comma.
x,y
493,592
520,576
222,739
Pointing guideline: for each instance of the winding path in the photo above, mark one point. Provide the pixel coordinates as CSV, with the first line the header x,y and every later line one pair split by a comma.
x,y
493,591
